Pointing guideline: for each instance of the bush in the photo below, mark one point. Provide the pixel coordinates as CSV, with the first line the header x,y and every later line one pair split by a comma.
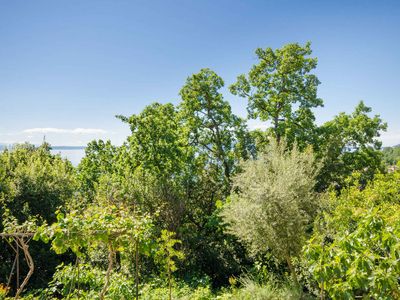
x,y
355,250
181,292
270,290
274,202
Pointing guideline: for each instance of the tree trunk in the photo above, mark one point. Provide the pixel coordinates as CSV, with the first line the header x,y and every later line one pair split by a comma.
x,y
78,288
118,260
137,268
21,243
109,269
292,270
17,264
277,134
169,282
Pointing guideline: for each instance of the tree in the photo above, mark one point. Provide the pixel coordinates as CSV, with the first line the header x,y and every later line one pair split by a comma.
x,y
101,226
100,159
274,203
350,143
33,183
167,254
211,125
281,89
156,143
220,139
391,155
161,171
157,156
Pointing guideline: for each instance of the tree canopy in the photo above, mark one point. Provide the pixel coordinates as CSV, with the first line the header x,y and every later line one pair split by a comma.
x,y
281,89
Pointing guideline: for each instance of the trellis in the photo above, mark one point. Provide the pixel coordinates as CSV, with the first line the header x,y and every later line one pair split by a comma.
x,y
19,241
22,240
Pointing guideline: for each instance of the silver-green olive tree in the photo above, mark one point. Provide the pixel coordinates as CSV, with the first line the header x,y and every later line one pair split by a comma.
x,y
274,202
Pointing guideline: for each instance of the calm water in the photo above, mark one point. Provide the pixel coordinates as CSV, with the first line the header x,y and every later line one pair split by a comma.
x,y
74,156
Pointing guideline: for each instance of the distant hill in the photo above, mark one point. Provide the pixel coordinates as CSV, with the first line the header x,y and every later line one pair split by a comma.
x,y
391,155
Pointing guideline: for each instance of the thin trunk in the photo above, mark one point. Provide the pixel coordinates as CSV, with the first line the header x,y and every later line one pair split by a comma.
x,y
12,272
73,280
278,108
118,260
322,283
30,263
78,288
169,282
17,264
221,154
322,296
277,135
109,269
137,268
292,270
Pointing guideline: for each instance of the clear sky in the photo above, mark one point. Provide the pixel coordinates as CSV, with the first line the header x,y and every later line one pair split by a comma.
x,y
67,67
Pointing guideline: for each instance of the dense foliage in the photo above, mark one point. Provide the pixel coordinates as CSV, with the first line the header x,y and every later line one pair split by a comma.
x,y
355,249
194,205
275,202
391,155
33,183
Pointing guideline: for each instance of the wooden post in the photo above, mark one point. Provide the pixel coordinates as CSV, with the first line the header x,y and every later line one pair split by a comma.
x,y
17,256
12,272
21,240
24,246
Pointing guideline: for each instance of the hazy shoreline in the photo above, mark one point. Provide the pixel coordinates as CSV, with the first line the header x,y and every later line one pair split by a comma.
x,y
72,153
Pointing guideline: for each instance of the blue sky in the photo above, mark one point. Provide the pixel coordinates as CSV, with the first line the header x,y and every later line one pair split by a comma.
x,y
67,67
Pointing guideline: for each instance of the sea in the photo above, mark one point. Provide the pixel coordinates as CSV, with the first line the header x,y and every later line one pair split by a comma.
x,y
73,155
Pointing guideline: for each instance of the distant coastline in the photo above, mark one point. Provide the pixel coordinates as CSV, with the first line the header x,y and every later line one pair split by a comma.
x,y
9,146
68,147
73,153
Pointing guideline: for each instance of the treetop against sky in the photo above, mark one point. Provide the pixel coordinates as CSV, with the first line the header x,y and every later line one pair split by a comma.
x,y
68,67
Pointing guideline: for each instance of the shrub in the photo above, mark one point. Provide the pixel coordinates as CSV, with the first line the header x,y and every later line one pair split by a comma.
x,y
355,250
3,291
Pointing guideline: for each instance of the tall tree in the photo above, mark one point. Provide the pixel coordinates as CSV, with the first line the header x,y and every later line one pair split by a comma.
x,y
350,143
220,140
100,160
281,89
159,159
211,125
156,142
